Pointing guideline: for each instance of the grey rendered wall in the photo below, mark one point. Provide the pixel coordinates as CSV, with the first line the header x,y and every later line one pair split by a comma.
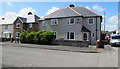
x,y
63,27
71,28
93,28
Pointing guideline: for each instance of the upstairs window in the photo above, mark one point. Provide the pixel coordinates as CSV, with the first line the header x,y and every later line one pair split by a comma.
x,y
6,26
30,25
71,21
17,25
90,21
54,21
43,23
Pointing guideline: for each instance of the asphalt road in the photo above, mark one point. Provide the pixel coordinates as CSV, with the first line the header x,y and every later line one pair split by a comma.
x,y
32,57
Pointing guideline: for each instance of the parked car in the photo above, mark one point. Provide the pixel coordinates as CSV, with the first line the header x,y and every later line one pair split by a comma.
x,y
115,40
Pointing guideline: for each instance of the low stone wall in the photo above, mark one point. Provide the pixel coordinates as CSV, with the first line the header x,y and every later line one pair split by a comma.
x,y
71,43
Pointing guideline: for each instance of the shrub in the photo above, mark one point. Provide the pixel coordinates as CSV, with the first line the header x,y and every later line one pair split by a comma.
x,y
23,36
39,37
31,37
47,37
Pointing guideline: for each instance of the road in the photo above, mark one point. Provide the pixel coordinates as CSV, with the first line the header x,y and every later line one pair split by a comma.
x,y
32,57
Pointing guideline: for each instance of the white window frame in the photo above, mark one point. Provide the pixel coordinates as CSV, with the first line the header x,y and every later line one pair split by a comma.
x,y
53,22
90,23
43,23
17,34
70,22
16,25
92,35
70,35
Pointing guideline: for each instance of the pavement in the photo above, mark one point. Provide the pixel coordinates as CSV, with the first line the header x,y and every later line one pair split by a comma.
x,y
90,49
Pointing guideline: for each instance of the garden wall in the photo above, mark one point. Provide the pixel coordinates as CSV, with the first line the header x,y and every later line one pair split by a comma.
x,y
71,43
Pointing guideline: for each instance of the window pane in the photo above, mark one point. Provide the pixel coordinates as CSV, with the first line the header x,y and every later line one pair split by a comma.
x,y
55,21
68,35
6,26
92,34
17,25
71,20
90,21
30,25
71,35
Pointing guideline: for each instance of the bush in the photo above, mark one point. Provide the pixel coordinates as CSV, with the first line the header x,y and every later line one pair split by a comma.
x,y
31,37
47,37
39,37
23,36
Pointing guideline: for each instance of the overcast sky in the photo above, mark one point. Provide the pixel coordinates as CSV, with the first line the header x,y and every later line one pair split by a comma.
x,y
11,10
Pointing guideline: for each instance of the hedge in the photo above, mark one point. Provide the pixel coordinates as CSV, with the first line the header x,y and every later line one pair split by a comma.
x,y
39,37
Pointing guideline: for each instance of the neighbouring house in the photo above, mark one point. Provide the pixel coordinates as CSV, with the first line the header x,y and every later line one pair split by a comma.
x,y
118,31
6,29
30,23
114,32
73,23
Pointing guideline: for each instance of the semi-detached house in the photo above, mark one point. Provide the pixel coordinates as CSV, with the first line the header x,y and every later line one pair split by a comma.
x,y
73,23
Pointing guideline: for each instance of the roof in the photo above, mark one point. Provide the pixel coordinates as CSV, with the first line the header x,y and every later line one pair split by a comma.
x,y
72,11
29,19
23,19
84,29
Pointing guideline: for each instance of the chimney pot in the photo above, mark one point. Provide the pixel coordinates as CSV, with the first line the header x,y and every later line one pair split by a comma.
x,y
30,13
71,5
3,18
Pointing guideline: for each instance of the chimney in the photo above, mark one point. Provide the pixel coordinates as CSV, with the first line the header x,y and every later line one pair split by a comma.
x,y
71,5
30,13
3,18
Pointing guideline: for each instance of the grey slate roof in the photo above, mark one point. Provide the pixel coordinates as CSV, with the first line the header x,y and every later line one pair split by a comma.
x,y
72,11
23,19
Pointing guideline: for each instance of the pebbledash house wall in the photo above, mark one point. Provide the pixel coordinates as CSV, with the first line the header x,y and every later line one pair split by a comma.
x,y
95,28
63,27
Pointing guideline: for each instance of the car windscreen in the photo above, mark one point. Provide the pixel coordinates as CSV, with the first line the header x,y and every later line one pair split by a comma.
x,y
115,37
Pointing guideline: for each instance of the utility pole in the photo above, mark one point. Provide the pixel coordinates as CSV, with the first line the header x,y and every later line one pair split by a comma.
x,y
104,21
